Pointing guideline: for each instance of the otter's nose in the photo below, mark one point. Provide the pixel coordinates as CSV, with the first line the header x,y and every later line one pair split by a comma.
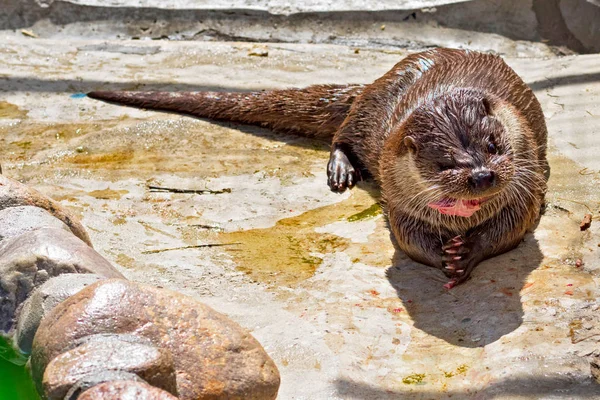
x,y
481,180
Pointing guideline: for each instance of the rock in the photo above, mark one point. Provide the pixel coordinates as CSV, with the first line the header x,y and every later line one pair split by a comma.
x,y
99,378
42,301
15,221
100,353
15,194
29,260
125,390
214,357
595,365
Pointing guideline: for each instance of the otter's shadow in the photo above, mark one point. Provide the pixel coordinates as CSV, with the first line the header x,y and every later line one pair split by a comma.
x,y
475,313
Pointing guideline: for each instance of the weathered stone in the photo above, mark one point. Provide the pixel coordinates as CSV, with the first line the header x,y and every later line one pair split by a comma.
x,y
15,194
29,260
595,365
99,378
125,390
42,301
15,221
98,353
214,357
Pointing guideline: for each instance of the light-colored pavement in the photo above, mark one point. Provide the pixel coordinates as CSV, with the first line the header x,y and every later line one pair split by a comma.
x,y
277,6
342,314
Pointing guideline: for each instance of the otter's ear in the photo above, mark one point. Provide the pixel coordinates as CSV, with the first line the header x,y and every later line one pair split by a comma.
x,y
487,106
411,144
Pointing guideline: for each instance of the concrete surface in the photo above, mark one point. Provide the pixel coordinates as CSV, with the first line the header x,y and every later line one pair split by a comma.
x,y
387,24
314,278
277,6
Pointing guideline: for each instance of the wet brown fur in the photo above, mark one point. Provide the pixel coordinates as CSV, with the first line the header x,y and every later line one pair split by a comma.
x,y
315,111
451,104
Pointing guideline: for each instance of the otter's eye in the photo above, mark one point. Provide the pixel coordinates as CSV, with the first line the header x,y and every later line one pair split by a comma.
x,y
492,148
444,167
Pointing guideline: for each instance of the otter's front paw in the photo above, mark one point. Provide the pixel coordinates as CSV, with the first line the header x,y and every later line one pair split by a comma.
x,y
341,174
458,261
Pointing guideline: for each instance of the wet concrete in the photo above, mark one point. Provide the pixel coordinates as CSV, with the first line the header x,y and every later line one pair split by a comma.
x,y
311,273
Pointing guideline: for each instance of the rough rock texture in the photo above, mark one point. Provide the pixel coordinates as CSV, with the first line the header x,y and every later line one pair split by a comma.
x,y
14,194
125,390
595,365
15,221
214,357
99,378
42,301
100,353
29,260
583,20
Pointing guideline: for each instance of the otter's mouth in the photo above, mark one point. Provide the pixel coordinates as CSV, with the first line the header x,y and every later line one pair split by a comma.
x,y
458,207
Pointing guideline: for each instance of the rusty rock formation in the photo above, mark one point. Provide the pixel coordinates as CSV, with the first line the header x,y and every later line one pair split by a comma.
x,y
125,390
213,356
94,335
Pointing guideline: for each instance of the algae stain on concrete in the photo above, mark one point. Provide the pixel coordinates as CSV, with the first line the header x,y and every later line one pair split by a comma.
x,y
413,379
35,143
283,254
9,110
126,262
105,160
291,251
108,194
370,212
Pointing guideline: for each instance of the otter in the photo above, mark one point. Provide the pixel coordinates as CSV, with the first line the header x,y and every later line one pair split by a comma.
x,y
455,140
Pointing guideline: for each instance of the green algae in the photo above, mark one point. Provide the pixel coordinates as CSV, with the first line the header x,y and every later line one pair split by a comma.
x,y
460,370
25,144
414,379
15,383
8,353
370,212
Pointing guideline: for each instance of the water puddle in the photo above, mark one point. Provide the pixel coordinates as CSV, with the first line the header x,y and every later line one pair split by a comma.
x,y
292,250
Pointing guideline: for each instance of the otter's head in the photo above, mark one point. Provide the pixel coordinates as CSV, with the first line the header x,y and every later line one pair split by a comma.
x,y
458,147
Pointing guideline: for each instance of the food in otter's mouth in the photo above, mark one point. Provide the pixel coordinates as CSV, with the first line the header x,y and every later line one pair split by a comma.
x,y
458,207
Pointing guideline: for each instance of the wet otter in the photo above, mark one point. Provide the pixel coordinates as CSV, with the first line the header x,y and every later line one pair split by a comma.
x,y
455,139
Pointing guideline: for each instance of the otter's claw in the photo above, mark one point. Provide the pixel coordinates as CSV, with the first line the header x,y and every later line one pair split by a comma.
x,y
454,244
341,174
454,253
450,258
451,284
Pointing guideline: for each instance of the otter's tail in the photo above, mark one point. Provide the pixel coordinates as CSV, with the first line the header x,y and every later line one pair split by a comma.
x,y
315,111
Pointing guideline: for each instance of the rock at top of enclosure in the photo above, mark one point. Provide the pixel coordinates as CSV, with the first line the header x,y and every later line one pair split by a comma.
x,y
275,7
